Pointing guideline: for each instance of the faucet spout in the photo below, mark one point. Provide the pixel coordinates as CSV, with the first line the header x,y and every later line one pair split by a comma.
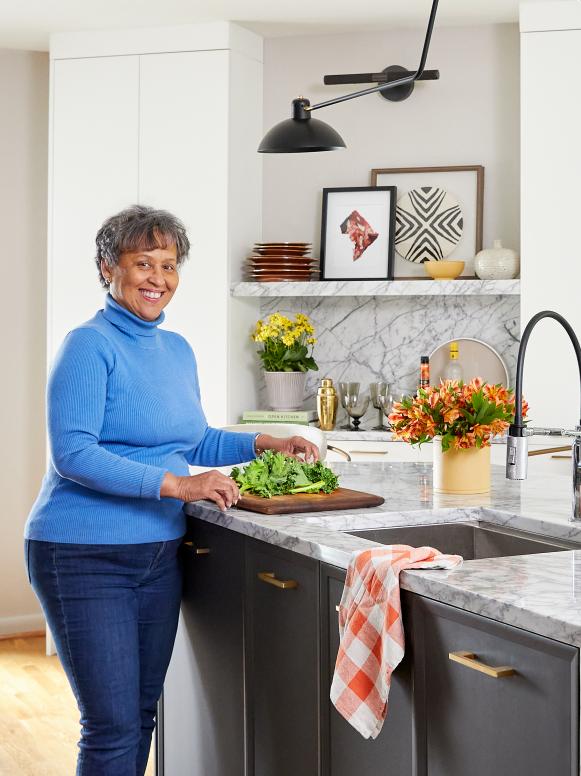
x,y
517,425
517,442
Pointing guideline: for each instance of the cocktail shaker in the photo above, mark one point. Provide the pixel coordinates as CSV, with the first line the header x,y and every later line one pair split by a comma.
x,y
327,404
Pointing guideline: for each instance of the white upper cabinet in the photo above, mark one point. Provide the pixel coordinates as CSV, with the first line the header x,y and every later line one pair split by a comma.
x,y
183,167
169,118
550,241
93,173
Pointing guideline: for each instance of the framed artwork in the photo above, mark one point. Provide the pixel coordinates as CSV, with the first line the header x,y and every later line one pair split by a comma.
x,y
357,233
438,215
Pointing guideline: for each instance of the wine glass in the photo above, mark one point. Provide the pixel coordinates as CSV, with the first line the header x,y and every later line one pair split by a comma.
x,y
379,394
393,396
356,410
348,394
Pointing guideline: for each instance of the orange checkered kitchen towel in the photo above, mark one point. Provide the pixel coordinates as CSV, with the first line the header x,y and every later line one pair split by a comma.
x,y
371,630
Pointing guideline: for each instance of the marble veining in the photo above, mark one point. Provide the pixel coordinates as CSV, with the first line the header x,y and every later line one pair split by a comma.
x,y
426,287
540,593
366,338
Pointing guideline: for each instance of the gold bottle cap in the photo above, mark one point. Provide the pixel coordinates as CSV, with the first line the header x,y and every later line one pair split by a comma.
x,y
326,382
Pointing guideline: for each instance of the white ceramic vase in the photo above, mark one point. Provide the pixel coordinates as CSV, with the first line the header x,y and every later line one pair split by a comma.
x,y
285,390
497,263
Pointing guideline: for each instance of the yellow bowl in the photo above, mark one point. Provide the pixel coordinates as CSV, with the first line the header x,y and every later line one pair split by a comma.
x,y
444,270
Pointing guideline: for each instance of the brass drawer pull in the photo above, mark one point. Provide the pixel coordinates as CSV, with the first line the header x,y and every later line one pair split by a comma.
x,y
197,550
547,450
470,660
282,584
369,452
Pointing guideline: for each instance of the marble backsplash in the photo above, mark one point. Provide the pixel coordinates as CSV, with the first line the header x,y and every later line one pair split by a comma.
x,y
371,338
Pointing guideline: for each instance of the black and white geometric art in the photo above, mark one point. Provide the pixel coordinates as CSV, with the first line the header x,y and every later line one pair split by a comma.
x,y
428,224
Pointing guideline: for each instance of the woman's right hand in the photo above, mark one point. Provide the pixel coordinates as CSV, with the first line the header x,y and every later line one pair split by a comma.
x,y
212,486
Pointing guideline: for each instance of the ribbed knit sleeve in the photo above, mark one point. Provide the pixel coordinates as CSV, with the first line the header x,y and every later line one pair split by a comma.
x,y
77,391
222,448
218,447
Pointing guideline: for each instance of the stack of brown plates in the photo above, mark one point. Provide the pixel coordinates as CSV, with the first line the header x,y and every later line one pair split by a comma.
x,y
270,262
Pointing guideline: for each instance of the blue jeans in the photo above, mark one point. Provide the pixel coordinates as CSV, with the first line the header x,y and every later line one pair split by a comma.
x,y
113,612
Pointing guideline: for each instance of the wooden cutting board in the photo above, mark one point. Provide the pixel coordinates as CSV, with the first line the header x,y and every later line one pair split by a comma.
x,y
341,498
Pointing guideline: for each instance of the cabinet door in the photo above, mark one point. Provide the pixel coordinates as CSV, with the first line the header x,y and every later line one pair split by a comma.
x,y
203,705
283,661
550,149
472,723
344,751
183,168
93,174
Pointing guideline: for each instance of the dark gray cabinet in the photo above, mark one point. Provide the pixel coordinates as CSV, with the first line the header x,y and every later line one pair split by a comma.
x,y
282,641
247,693
470,722
204,706
344,751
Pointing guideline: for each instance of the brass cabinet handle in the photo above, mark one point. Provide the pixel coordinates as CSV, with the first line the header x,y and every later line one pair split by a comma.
x,y
369,452
282,584
470,660
548,450
197,550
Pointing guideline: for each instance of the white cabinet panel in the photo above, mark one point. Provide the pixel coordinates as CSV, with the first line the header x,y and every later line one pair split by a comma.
x,y
183,168
551,269
94,107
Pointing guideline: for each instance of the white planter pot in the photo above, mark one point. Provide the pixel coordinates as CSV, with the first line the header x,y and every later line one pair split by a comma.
x,y
285,390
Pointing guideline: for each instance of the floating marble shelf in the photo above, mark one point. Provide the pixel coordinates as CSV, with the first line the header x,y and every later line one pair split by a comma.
x,y
385,288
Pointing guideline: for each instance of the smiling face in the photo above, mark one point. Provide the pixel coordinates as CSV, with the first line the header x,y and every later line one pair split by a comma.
x,y
144,281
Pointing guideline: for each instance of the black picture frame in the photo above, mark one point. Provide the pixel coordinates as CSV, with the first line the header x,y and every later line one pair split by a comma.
x,y
328,264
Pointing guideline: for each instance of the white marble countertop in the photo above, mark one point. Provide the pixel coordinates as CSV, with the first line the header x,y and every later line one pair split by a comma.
x,y
540,593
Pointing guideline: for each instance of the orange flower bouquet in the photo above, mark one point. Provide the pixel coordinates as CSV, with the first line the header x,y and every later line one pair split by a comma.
x,y
463,415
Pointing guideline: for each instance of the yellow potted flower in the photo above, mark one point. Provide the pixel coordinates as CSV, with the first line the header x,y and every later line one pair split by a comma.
x,y
285,350
460,419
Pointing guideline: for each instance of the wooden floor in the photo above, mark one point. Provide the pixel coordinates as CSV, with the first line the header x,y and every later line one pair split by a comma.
x,y
39,720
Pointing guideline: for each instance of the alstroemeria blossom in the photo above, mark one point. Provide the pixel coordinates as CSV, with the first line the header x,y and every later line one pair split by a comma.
x,y
464,415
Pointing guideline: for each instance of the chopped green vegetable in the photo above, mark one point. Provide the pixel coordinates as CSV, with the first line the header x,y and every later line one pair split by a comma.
x,y
276,474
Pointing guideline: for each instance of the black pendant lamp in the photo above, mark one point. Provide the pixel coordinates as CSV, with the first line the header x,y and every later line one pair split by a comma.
x,y
301,133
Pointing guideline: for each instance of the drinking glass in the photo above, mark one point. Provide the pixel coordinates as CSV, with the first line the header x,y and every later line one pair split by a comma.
x,y
394,395
356,410
349,395
379,393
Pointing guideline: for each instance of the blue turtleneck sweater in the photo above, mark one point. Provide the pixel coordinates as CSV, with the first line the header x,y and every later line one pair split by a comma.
x,y
123,407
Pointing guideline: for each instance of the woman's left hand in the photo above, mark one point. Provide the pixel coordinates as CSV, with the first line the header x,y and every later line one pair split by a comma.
x,y
293,446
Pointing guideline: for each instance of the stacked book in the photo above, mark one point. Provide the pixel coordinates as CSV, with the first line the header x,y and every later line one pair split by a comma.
x,y
301,417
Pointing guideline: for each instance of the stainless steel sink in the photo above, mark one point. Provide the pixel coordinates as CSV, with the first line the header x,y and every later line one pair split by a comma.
x,y
473,541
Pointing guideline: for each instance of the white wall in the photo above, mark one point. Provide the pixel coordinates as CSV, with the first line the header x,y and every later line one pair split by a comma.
x,y
23,204
469,116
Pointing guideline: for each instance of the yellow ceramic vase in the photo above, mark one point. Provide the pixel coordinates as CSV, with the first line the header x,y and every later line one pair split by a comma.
x,y
461,471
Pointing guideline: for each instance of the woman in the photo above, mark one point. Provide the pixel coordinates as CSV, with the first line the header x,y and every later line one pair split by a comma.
x,y
124,422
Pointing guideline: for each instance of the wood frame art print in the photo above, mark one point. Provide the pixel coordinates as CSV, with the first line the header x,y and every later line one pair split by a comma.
x,y
357,233
439,215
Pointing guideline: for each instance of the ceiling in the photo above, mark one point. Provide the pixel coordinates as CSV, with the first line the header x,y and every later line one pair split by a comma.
x,y
28,23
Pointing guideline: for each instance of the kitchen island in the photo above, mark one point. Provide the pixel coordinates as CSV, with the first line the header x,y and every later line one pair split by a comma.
x,y
277,645
540,592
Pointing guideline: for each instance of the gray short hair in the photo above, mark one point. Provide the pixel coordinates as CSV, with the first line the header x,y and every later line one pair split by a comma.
x,y
139,228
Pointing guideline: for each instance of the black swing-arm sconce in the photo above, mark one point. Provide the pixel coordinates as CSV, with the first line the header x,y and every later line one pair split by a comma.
x,y
302,133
